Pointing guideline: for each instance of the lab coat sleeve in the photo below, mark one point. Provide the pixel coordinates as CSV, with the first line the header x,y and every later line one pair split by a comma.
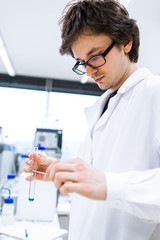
x,y
136,192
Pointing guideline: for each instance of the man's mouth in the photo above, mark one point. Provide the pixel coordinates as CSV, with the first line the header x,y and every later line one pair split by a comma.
x,y
97,80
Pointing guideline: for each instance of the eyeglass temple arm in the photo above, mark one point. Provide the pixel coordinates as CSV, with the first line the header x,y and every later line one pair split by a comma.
x,y
109,48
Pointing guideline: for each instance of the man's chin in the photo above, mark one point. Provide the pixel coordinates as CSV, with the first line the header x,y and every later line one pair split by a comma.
x,y
102,86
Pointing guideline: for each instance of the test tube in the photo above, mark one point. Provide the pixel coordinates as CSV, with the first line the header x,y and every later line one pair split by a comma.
x,y
32,184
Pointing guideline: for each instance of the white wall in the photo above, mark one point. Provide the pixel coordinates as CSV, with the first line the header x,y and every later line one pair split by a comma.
x,y
147,14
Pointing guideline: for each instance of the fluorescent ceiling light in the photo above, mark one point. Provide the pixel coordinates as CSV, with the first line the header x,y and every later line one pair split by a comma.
x,y
5,59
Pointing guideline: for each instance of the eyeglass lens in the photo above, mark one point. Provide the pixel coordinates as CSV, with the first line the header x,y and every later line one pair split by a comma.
x,y
94,62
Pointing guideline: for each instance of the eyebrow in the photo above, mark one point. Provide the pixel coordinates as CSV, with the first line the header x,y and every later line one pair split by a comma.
x,y
90,52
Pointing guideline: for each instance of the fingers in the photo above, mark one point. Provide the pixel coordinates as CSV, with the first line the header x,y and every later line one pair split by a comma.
x,y
58,166
27,169
34,161
40,164
70,160
33,157
62,177
29,161
59,171
50,173
70,187
31,165
31,177
31,154
71,175
38,177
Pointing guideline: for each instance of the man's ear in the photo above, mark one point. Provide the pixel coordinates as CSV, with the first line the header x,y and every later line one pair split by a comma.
x,y
128,47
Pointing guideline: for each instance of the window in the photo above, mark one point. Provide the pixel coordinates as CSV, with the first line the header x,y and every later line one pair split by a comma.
x,y
22,111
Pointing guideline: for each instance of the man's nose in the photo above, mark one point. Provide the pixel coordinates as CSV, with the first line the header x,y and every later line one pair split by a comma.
x,y
90,71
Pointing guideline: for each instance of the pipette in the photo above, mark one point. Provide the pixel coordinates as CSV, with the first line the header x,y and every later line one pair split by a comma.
x,y
43,173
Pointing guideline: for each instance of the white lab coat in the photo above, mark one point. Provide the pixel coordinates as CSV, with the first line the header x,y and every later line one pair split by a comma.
x,y
137,192
125,138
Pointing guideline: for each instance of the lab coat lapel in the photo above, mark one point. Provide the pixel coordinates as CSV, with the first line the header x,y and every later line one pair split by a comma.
x,y
133,80
113,102
93,113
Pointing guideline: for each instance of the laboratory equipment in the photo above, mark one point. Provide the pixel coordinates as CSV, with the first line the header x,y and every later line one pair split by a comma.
x,y
21,163
10,182
41,150
32,183
51,139
8,209
7,163
12,185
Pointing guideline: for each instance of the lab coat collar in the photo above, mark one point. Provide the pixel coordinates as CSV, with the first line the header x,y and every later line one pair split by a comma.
x,y
134,79
93,113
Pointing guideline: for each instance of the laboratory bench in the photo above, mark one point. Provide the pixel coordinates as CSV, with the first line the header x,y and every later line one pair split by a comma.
x,y
56,229
35,230
63,212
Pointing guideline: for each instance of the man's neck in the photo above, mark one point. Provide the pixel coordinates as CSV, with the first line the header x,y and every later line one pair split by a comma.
x,y
131,69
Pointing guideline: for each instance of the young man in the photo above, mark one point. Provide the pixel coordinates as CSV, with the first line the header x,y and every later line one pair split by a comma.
x,y
124,129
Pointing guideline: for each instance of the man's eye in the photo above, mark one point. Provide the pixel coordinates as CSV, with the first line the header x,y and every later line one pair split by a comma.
x,y
95,59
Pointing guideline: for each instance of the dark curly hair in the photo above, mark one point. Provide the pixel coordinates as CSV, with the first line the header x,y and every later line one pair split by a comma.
x,y
108,17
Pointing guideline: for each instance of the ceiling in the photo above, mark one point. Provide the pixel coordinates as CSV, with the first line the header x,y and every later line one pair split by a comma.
x,y
31,34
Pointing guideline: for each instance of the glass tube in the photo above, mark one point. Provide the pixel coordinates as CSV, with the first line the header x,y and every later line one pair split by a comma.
x,y
32,184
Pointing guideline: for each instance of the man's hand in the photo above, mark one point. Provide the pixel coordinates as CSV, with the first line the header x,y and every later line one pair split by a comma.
x,y
74,175
37,162
69,175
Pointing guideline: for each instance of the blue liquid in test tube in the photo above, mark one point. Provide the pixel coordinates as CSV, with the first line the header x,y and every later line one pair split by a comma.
x,y
32,184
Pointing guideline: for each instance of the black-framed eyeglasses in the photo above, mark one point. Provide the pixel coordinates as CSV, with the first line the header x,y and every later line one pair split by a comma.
x,y
94,62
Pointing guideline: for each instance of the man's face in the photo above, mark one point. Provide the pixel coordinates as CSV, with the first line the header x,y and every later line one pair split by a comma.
x,y
117,67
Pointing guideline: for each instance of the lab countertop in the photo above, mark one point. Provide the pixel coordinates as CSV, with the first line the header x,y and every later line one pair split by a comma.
x,y
35,230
